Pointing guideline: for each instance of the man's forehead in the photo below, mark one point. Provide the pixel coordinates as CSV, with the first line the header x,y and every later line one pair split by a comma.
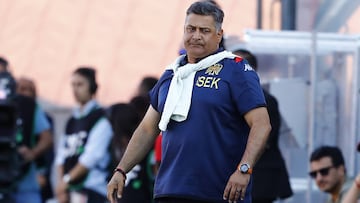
x,y
25,82
199,20
78,78
322,162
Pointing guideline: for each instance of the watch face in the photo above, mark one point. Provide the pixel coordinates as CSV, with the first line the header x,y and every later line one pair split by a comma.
x,y
244,168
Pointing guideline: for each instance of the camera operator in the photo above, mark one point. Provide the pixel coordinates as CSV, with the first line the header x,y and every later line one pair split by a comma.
x,y
31,122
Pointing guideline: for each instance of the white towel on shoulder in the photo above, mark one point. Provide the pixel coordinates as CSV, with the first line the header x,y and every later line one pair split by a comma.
x,y
178,100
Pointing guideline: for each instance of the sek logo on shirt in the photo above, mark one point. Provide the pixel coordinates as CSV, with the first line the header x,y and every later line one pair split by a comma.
x,y
209,81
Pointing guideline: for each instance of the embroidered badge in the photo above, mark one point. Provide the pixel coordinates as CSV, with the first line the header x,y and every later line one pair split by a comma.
x,y
214,69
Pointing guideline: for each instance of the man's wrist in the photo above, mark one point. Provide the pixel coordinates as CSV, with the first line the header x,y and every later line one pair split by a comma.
x,y
122,172
245,168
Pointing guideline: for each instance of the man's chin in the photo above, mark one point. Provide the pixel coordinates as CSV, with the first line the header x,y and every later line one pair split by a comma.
x,y
326,189
196,53
323,187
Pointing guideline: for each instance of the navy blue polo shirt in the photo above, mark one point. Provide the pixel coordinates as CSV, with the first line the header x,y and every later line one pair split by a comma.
x,y
200,153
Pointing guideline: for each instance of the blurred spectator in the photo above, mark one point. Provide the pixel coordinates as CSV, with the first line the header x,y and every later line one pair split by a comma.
x,y
146,84
327,168
83,157
271,179
141,103
353,194
139,184
26,87
124,119
31,125
141,99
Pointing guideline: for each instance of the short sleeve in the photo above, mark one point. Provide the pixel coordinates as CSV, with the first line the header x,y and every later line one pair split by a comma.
x,y
97,145
245,87
41,122
159,91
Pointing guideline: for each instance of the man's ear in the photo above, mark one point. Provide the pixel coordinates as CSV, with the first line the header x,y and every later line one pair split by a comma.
x,y
342,169
220,35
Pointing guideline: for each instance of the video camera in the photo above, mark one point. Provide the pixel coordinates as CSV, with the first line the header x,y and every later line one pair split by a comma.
x,y
10,162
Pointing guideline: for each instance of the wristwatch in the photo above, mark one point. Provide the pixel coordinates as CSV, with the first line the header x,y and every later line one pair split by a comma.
x,y
245,168
67,178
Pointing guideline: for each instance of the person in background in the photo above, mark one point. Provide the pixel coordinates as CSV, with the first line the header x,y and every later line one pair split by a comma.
x,y
31,125
142,101
139,184
211,111
353,194
26,87
146,84
327,168
83,156
271,179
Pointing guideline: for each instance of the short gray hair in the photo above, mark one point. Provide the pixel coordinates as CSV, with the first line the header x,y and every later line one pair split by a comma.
x,y
207,9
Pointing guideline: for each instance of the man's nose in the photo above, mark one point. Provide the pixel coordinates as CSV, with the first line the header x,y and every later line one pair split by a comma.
x,y
318,176
197,34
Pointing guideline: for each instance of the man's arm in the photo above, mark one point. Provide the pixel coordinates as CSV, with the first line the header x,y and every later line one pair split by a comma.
x,y
140,144
78,171
95,149
142,141
258,120
353,194
61,187
45,143
42,128
259,123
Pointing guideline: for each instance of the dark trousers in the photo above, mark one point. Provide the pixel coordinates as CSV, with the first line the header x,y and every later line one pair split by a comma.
x,y
178,200
5,198
262,201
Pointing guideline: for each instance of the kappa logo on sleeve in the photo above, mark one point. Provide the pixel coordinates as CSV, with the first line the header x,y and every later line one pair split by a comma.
x,y
247,67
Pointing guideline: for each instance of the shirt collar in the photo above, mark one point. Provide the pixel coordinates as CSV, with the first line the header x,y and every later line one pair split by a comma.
x,y
86,109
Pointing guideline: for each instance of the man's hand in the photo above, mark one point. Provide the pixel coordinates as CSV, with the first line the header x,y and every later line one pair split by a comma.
x,y
236,186
115,187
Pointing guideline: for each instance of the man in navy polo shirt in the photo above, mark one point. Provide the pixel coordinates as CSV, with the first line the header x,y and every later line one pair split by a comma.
x,y
211,110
